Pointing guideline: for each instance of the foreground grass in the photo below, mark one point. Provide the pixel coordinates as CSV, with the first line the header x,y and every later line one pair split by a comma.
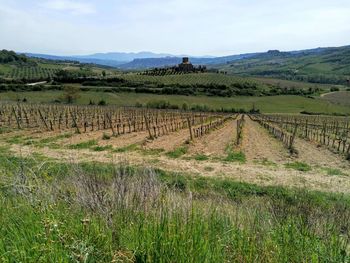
x,y
91,212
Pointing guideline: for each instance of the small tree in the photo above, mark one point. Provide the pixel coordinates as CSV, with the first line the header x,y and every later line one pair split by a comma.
x,y
185,106
104,73
71,94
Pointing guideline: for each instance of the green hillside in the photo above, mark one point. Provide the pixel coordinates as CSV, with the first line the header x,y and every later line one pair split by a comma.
x,y
20,67
324,65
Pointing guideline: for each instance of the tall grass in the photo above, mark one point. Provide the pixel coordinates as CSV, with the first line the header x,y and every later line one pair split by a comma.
x,y
52,212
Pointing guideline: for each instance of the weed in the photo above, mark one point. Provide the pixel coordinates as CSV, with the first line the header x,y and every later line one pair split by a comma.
x,y
201,157
83,145
178,152
131,147
299,166
18,139
235,157
333,171
105,136
102,148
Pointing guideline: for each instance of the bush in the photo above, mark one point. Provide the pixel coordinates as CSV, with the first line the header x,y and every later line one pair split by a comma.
x,y
138,105
102,102
334,89
71,94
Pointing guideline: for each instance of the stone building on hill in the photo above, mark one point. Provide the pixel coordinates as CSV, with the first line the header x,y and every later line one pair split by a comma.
x,y
187,67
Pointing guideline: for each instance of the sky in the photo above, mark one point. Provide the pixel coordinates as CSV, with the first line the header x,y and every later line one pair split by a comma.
x,y
193,27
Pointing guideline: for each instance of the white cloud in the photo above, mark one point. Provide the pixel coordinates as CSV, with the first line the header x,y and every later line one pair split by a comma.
x,y
74,7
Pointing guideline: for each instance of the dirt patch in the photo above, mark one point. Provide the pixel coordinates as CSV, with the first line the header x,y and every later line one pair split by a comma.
x,y
117,142
216,142
169,142
314,154
258,144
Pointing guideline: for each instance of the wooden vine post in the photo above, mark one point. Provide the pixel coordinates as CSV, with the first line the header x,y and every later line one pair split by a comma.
x,y
148,128
111,124
43,120
190,128
17,119
292,139
75,123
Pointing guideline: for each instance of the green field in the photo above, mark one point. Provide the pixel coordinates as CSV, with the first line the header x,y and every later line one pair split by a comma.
x,y
281,104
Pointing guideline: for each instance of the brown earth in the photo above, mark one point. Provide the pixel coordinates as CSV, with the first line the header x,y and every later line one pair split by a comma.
x,y
258,144
215,143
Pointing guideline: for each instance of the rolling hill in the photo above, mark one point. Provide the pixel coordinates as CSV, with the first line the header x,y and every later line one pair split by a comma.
x,y
141,60
321,65
20,67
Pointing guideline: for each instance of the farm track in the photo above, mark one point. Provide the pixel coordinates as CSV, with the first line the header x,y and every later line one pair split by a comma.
x,y
216,142
258,144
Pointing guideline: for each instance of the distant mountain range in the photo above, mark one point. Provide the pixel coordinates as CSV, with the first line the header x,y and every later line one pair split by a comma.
x,y
141,60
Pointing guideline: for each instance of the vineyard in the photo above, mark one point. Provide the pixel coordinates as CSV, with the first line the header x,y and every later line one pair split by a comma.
x,y
331,132
118,120
288,163
171,129
188,79
31,73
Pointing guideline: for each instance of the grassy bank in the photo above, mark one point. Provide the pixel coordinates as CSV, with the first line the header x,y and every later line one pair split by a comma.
x,y
54,212
271,104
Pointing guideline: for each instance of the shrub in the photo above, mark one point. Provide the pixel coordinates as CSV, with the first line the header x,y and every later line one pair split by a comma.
x,y
334,89
102,102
